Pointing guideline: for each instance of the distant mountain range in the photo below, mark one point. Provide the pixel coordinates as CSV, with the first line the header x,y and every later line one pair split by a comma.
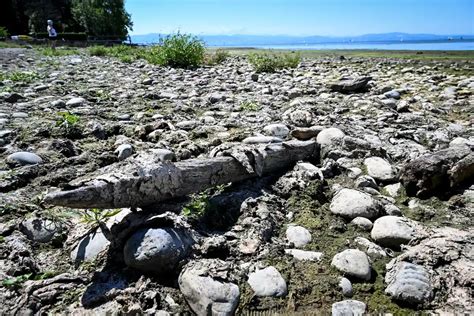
x,y
252,40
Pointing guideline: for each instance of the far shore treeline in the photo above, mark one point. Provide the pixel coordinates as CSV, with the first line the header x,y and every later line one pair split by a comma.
x,y
96,18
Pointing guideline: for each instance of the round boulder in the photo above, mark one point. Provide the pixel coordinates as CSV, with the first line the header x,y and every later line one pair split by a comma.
x,y
277,130
380,169
267,282
330,136
353,262
157,250
393,231
351,203
298,235
24,158
40,230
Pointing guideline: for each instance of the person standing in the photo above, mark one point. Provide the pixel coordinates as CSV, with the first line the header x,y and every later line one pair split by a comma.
x,y
52,34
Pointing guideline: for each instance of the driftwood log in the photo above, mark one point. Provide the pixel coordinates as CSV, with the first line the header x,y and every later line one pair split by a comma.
x,y
143,180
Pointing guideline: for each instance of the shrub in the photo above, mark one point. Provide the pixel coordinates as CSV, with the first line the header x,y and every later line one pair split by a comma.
x,y
249,106
271,62
98,51
23,76
63,51
181,50
218,57
3,32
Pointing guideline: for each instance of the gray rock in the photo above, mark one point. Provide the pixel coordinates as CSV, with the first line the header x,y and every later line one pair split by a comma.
x,y
346,287
353,262
157,250
261,140
124,151
76,102
351,85
409,283
90,247
362,223
305,133
205,294
58,104
301,118
164,154
366,182
304,255
379,169
370,248
267,282
330,136
348,308
393,231
40,230
439,172
298,235
24,158
394,94
276,130
391,209
394,190
351,203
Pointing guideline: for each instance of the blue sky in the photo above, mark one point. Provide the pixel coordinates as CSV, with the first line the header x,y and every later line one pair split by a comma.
x,y
302,17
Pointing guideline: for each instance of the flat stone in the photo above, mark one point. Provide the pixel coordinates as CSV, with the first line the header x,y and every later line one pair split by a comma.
x,y
393,231
304,255
370,248
351,203
298,235
348,308
74,102
409,283
24,158
305,133
40,230
379,169
262,140
267,282
353,262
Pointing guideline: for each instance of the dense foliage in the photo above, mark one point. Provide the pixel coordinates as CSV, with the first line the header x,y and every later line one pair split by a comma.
x,y
96,17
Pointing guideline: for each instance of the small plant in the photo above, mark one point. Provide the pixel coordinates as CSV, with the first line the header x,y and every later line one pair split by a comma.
x,y
181,50
3,32
25,77
249,106
199,204
218,57
96,216
66,51
271,62
66,120
15,282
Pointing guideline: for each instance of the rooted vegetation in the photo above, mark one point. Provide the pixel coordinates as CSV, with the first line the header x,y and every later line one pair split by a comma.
x,y
271,62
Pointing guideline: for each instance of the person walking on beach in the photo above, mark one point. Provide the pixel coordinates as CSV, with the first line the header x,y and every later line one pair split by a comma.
x,y
52,34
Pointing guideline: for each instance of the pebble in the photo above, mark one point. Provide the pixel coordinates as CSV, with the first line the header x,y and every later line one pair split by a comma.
x,y
276,130
76,102
363,223
393,231
304,255
124,151
351,203
379,169
330,136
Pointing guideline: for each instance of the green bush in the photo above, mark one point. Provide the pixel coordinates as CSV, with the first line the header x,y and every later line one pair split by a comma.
x,y
98,51
180,50
63,51
3,32
271,62
218,57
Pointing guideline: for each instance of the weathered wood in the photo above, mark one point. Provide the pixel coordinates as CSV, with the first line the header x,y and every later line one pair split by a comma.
x,y
142,180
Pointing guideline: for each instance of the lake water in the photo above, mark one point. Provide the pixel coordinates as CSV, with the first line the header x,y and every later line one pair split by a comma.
x,y
438,45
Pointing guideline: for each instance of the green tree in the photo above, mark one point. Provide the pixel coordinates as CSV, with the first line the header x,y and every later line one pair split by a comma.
x,y
102,17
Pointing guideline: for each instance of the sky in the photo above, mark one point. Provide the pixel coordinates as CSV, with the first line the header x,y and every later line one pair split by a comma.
x,y
302,17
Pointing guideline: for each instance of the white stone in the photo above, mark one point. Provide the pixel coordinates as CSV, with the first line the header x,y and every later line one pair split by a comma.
x,y
76,102
267,282
393,231
380,169
351,203
362,223
348,308
353,262
304,255
298,235
330,136
277,130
